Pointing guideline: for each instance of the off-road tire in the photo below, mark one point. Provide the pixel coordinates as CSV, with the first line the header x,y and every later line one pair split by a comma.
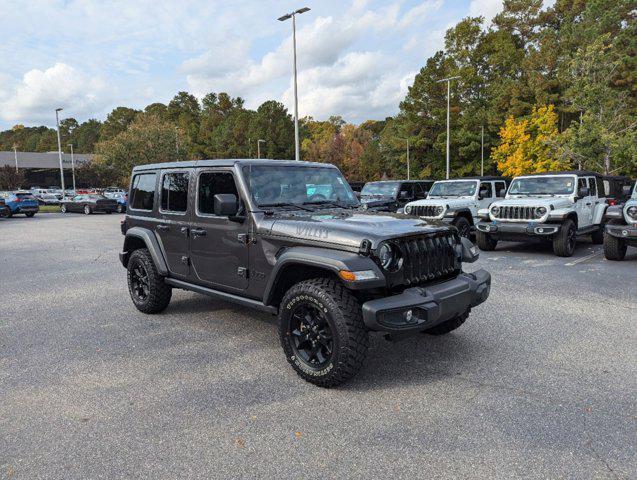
x,y
159,292
464,227
343,314
485,241
448,326
87,210
614,248
563,245
597,237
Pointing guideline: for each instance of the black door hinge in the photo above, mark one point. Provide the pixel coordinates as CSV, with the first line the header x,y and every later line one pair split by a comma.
x,y
185,260
242,272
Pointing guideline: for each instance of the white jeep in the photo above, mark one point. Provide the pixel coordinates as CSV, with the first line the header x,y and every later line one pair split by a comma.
x,y
457,201
621,229
553,207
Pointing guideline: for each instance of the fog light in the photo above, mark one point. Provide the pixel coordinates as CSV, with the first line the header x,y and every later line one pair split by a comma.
x,y
625,233
540,230
487,228
409,316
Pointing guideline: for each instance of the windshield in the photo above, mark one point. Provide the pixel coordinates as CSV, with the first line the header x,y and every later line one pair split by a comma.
x,y
273,185
542,186
385,189
453,189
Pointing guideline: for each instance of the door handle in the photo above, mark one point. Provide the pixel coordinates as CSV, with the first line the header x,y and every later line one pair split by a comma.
x,y
162,228
588,204
198,232
184,230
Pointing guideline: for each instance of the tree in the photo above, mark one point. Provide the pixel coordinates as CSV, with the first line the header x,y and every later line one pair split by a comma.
x,y
86,135
117,121
525,145
10,179
147,140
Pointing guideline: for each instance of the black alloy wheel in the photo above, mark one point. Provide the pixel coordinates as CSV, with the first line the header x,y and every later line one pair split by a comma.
x,y
139,282
311,336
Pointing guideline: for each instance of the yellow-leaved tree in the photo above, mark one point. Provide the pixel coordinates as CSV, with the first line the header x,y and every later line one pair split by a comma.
x,y
525,144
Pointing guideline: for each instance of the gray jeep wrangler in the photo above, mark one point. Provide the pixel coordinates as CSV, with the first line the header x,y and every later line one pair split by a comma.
x,y
289,238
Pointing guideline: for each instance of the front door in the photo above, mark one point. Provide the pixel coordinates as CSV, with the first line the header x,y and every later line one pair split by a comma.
x,y
172,230
485,195
584,206
218,245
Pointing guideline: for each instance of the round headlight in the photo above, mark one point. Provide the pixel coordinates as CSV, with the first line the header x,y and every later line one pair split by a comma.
x,y
540,211
632,211
495,210
408,209
439,210
386,256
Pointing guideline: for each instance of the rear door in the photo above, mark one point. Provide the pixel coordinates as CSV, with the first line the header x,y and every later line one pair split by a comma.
x,y
487,197
584,206
172,230
218,245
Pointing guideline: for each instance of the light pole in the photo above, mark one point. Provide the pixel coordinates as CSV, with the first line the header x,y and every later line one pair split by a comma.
x,y
73,167
482,151
408,166
448,80
297,147
57,123
15,154
259,147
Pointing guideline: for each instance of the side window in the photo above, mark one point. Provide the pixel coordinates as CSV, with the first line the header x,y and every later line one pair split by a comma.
x,y
592,184
143,191
409,188
211,184
174,192
421,191
489,190
500,189
582,183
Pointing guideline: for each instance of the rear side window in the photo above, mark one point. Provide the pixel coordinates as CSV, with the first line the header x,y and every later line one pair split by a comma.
x,y
487,186
174,192
143,191
211,184
593,186
500,189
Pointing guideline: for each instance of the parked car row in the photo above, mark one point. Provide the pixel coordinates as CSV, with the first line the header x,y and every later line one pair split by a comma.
x,y
19,203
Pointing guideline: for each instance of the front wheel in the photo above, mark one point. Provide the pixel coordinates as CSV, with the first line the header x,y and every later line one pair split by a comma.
x,y
120,208
485,241
147,288
322,332
30,214
87,210
565,240
463,226
63,209
614,248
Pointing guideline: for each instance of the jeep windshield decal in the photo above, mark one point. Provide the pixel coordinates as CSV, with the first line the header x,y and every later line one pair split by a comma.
x,y
301,187
453,189
553,185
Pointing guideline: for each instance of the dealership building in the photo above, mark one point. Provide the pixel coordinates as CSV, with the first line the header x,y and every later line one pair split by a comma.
x,y
43,169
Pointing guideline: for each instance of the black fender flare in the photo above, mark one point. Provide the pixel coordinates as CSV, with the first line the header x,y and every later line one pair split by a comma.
x,y
150,240
327,259
458,212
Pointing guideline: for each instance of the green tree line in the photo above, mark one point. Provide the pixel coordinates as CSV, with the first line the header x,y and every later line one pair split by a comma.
x,y
550,88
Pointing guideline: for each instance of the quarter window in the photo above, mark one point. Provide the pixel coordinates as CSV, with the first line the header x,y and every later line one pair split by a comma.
x,y
143,191
211,184
593,186
174,192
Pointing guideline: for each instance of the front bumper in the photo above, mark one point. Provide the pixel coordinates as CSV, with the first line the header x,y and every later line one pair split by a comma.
x,y
420,308
625,232
531,229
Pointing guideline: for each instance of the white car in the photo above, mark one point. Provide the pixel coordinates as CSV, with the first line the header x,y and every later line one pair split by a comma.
x,y
555,207
621,229
457,201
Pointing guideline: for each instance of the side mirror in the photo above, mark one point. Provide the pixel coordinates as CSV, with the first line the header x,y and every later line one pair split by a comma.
x,y
583,192
627,190
482,194
226,205
404,195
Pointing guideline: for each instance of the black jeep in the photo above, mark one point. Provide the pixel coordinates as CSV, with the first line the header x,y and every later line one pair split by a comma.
x,y
290,238
393,195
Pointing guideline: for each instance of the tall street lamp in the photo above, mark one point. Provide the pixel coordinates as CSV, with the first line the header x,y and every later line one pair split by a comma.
x,y
259,142
73,168
297,148
15,154
57,123
482,151
408,165
448,80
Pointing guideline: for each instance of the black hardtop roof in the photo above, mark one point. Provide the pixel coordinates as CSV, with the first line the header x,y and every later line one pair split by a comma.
x,y
227,163
579,173
485,178
403,181
621,178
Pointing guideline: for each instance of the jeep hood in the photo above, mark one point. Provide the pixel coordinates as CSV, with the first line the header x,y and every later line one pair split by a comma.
x,y
442,201
348,229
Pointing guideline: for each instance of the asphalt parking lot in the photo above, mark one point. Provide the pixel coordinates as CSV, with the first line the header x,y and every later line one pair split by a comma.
x,y
541,382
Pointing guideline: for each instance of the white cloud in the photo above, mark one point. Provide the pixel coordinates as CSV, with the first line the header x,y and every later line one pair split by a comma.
x,y
420,12
41,91
486,8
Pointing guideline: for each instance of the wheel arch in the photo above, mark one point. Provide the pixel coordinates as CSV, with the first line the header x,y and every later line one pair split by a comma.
x,y
137,238
465,213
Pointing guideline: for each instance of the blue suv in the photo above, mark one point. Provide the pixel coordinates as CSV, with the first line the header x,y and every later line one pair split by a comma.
x,y
21,202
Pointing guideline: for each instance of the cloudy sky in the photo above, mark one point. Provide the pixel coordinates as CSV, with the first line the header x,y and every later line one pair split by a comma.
x,y
356,57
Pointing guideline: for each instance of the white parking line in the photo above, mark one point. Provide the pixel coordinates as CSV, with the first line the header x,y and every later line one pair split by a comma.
x,y
583,259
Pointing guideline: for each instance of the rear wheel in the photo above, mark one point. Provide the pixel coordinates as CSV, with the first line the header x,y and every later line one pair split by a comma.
x,y
463,226
598,236
63,208
485,241
147,288
87,210
614,248
322,332
565,240
30,214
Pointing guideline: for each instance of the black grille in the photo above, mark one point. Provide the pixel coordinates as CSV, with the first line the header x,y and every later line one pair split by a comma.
x,y
517,213
426,258
424,210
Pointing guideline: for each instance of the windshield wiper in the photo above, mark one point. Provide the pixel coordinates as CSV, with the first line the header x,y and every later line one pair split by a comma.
x,y
332,203
287,204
